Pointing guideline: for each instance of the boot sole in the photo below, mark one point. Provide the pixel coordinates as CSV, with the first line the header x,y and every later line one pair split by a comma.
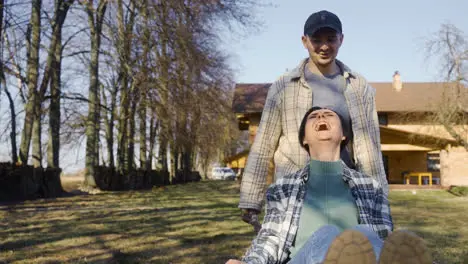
x,y
350,247
404,248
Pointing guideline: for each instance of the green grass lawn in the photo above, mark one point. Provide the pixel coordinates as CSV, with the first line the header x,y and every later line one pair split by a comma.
x,y
192,223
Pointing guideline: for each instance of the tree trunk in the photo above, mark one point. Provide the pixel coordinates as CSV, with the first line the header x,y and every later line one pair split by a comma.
x,y
186,164
91,140
163,109
144,88
14,150
111,128
123,48
174,161
131,130
2,7
53,146
36,134
33,44
51,70
143,150
163,153
109,124
122,147
95,20
152,141
97,125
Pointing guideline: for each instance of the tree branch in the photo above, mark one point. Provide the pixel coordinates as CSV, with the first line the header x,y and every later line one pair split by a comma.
x,y
80,98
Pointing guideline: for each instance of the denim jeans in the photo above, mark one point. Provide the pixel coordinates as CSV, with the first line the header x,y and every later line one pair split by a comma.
x,y
316,247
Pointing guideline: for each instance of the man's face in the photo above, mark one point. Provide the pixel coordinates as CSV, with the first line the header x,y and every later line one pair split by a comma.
x,y
323,46
323,126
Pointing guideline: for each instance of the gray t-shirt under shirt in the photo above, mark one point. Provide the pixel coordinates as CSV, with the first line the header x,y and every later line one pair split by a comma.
x,y
328,91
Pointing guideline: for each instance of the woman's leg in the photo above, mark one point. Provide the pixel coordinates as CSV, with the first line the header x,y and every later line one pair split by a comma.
x,y
372,236
327,245
316,247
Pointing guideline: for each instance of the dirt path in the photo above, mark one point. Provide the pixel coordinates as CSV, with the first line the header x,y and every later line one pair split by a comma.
x,y
71,183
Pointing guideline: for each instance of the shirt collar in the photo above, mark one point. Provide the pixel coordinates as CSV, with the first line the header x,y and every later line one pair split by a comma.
x,y
304,172
298,72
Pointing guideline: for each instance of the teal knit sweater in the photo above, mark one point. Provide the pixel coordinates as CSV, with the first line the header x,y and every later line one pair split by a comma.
x,y
328,201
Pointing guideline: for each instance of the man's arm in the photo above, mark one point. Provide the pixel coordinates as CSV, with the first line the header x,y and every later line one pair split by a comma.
x,y
269,130
264,248
377,166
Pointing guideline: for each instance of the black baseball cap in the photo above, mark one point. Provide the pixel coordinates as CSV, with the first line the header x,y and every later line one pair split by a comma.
x,y
322,19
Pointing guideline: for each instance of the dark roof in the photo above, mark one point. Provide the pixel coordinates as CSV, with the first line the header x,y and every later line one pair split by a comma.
x,y
418,97
250,97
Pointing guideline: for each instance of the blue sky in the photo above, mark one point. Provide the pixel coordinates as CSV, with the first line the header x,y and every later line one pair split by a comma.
x,y
380,37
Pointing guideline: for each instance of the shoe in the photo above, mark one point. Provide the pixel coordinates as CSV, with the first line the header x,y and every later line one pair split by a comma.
x,y
350,247
403,247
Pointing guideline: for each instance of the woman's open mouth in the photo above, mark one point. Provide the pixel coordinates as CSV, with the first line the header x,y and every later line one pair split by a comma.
x,y
322,126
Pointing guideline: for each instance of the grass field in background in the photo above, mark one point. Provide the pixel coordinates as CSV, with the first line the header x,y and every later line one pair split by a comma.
x,y
191,223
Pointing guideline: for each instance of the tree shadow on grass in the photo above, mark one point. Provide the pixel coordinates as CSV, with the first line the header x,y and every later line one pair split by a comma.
x,y
204,230
190,249
437,218
192,223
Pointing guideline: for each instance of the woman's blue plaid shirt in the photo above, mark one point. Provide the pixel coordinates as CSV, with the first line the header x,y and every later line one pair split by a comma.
x,y
284,201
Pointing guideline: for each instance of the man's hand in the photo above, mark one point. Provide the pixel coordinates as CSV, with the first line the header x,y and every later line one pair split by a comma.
x,y
235,261
250,216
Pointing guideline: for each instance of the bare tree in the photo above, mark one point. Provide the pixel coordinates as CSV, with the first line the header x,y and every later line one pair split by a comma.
x,y
32,44
145,160
52,70
449,47
3,84
109,116
95,21
55,54
126,129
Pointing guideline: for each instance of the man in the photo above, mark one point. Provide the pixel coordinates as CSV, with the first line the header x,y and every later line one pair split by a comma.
x,y
319,80
307,211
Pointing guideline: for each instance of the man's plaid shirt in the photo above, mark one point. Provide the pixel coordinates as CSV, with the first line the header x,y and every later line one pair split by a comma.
x,y
284,201
287,101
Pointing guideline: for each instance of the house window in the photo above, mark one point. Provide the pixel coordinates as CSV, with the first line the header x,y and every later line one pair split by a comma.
x,y
383,119
244,123
433,162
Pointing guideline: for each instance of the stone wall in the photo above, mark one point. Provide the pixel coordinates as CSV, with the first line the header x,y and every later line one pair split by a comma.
x,y
454,167
27,182
110,180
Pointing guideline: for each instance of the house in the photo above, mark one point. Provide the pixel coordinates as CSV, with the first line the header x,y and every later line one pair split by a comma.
x,y
411,142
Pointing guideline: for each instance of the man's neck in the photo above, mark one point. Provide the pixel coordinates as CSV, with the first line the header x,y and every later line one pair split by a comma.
x,y
325,153
330,69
